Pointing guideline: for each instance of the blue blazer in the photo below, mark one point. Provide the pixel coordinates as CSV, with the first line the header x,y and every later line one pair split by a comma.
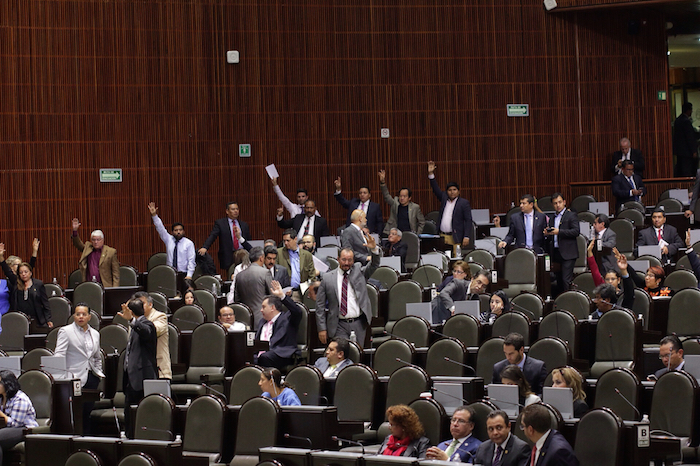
x,y
375,220
466,450
556,451
462,225
517,231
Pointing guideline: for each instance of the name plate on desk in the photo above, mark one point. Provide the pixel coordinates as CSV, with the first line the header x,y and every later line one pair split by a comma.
x,y
250,338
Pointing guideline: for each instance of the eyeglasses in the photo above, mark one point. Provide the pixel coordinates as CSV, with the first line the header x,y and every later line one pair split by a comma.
x,y
458,421
226,315
666,356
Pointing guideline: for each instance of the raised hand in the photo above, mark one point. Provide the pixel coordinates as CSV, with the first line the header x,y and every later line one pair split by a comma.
x,y
371,242
276,289
431,167
280,211
589,251
382,176
35,246
337,184
76,224
2,252
152,209
274,181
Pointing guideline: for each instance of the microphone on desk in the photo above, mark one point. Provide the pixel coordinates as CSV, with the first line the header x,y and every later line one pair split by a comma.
x,y
305,439
407,363
473,372
210,388
488,398
169,290
179,319
522,309
116,350
162,431
335,438
72,419
116,420
639,415
612,352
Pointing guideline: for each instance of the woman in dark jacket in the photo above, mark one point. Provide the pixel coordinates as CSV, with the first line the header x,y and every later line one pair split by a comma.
x,y
406,438
27,294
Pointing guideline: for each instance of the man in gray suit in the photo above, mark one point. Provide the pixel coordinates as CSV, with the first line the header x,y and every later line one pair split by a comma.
x,y
609,239
335,357
253,284
343,292
354,238
404,214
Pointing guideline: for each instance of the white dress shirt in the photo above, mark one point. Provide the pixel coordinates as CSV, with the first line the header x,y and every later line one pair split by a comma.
x,y
353,309
185,249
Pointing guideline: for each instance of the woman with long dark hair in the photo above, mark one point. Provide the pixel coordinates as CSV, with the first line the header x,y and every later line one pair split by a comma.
x,y
272,386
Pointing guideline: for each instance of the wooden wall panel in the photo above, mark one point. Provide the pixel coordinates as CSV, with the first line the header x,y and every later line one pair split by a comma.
x,y
144,86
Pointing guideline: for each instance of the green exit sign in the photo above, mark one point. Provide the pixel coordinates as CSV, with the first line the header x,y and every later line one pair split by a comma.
x,y
518,110
244,150
111,175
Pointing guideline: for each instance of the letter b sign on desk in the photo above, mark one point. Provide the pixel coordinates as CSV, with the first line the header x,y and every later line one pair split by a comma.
x,y
643,438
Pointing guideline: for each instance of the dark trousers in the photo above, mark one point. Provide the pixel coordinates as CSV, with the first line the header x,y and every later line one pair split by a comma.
x,y
270,359
92,382
132,397
359,325
686,166
9,437
565,275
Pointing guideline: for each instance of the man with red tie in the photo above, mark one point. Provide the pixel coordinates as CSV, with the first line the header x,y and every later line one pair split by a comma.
x,y
659,233
234,234
550,447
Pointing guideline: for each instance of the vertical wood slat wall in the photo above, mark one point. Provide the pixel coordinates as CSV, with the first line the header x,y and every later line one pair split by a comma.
x,y
144,86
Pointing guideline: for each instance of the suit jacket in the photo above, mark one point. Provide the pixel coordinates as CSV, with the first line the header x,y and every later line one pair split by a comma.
x,y
281,275
320,225
353,238
685,139
109,264
517,231
466,451
375,220
609,239
141,353
534,370
415,216
223,231
417,448
462,225
516,453
635,156
556,451
322,365
454,290
160,321
696,193
569,229
621,189
79,361
252,285
306,263
36,295
328,298
399,249
284,331
647,237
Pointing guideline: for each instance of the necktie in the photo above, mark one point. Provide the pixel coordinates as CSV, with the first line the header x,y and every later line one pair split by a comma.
x,y
451,449
528,231
344,296
177,240
236,244
660,238
306,228
498,459
533,456
362,207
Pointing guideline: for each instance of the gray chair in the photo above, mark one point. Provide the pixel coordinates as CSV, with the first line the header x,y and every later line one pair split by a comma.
x,y
83,458
413,329
74,279
652,260
482,256
626,382
113,338
482,408
188,317
385,362
490,352
257,428
61,309
162,278
529,302
634,216
413,253
552,350
92,294
242,313
15,325
207,301
355,391
671,205
514,321
615,342
624,229
580,203
433,216
160,302
681,279
373,295
332,263
576,302
401,294
354,352
207,362
683,313
642,304
209,282
32,360
244,384
52,338
557,422
580,266
204,430
386,276
307,381
674,405
159,258
684,263
427,275
154,418
137,459
430,228
584,282
465,328
38,386
586,216
436,364
406,384
433,417
509,214
520,271
599,439
545,204
128,276
94,322
174,343
634,205
53,290
563,325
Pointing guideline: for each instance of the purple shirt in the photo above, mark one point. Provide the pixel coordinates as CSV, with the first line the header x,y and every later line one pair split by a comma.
x,y
93,265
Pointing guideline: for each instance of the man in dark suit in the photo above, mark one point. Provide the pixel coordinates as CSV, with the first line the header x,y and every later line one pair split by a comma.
x,y
660,233
527,227
253,284
279,328
278,272
563,234
608,237
395,247
455,221
627,186
514,349
685,142
550,447
307,223
463,445
627,153
696,194
502,448
342,303
375,220
671,355
234,234
140,360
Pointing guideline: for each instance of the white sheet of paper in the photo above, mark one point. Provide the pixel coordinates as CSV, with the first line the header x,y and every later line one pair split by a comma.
x,y
272,171
320,265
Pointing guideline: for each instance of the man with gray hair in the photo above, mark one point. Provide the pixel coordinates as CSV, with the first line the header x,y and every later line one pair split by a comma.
x,y
627,153
394,247
253,284
98,262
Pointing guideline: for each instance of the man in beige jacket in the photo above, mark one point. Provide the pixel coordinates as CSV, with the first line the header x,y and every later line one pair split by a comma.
x,y
160,321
